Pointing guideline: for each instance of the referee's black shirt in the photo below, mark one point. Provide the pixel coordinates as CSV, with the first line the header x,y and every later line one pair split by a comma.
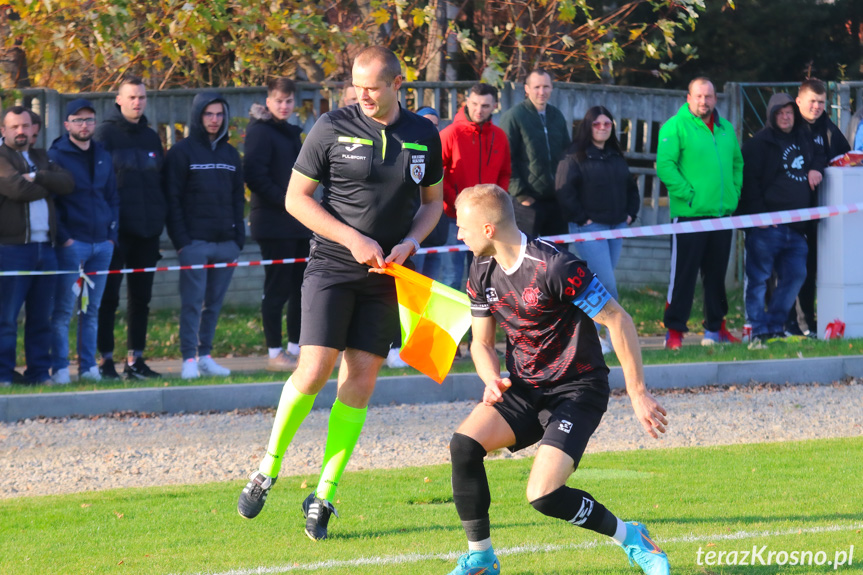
x,y
371,173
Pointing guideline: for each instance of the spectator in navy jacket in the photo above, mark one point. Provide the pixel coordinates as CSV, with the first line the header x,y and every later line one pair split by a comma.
x,y
272,147
204,185
87,222
138,156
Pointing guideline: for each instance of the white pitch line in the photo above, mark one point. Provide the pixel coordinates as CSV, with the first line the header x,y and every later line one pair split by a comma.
x,y
522,549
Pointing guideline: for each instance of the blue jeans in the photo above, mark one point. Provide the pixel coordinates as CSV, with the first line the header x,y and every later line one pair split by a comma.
x,y
202,293
784,250
38,294
452,263
601,255
94,257
428,265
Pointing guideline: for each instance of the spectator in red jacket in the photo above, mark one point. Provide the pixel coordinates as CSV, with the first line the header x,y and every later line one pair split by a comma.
x,y
475,151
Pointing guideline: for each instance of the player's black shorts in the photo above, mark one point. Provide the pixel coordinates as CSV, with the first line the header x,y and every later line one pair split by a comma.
x,y
346,306
563,416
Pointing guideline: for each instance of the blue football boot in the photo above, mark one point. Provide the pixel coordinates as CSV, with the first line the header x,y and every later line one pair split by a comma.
x,y
477,563
642,551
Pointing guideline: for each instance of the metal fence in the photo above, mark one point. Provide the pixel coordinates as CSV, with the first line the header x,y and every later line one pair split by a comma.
x,y
750,100
639,113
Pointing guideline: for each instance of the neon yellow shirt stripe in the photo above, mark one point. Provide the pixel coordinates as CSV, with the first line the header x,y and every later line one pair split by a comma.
x,y
418,147
350,140
305,176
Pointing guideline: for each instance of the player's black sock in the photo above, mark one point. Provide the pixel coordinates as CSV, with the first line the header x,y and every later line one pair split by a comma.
x,y
470,486
579,508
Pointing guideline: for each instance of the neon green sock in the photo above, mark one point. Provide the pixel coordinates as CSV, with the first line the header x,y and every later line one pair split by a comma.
x,y
293,409
343,431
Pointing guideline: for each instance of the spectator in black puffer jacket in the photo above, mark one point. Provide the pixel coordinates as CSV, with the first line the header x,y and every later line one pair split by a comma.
x,y
272,147
204,185
138,157
597,193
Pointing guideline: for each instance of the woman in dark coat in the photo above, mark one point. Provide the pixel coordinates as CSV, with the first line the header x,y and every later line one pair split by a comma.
x,y
597,192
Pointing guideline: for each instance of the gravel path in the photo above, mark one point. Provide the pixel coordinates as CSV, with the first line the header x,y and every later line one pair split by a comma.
x,y
72,455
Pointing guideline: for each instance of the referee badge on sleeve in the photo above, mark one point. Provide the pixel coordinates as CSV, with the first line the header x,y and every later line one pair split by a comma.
x,y
418,167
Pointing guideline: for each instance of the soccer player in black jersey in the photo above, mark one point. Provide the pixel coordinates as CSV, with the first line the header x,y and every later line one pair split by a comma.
x,y
546,300
374,159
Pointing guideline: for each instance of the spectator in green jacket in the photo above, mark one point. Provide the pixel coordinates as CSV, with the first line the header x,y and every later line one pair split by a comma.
x,y
538,138
699,161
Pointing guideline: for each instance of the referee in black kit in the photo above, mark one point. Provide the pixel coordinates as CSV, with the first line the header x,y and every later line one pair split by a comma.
x,y
373,158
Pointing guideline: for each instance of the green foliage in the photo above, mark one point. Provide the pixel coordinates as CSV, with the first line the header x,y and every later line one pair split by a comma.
x,y
802,495
87,46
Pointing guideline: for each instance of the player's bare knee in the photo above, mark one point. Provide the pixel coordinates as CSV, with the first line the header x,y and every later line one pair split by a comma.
x,y
539,488
310,377
356,392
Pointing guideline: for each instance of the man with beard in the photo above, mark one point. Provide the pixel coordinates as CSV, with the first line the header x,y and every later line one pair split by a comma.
x,y
86,235
28,228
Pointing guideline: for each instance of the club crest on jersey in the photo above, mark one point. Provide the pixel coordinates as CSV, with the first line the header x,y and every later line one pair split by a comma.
x,y
491,295
530,296
418,167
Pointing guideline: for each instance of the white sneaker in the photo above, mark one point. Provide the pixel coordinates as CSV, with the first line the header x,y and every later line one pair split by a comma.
x,y
208,366
293,349
605,343
393,359
61,377
190,369
92,374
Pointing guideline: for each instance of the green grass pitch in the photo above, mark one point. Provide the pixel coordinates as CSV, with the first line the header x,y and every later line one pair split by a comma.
x,y
803,496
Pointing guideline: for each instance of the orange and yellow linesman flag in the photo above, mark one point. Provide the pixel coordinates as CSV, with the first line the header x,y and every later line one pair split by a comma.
x,y
433,317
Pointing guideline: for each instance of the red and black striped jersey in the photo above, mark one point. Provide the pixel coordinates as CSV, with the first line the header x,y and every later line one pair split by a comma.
x,y
544,304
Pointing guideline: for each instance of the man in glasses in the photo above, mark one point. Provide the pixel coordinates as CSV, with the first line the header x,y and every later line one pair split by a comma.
x,y
87,221
204,185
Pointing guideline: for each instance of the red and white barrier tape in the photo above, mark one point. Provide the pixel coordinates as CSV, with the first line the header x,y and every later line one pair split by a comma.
x,y
689,227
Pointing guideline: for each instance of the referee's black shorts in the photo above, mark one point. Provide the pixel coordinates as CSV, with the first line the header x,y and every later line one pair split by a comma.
x,y
563,416
346,306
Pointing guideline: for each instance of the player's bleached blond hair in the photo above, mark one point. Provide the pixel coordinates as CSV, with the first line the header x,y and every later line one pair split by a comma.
x,y
490,200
